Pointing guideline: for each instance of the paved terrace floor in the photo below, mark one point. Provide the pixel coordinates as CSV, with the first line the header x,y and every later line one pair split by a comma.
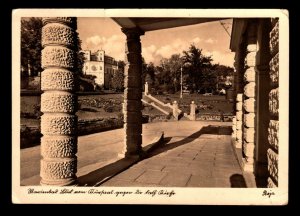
x,y
193,154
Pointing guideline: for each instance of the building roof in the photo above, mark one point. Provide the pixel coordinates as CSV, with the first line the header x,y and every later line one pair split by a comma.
x,y
151,24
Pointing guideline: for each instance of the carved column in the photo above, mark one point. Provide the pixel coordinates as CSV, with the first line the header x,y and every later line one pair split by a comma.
x,y
133,94
58,102
273,130
249,118
239,121
239,83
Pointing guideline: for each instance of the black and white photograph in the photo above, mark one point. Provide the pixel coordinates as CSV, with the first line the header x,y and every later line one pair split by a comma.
x,y
150,106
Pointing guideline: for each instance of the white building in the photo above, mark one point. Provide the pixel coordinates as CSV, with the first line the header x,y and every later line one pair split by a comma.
x,y
101,66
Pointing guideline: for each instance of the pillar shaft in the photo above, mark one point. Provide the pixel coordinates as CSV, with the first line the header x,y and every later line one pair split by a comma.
x,y
58,102
193,111
239,65
249,117
273,129
133,94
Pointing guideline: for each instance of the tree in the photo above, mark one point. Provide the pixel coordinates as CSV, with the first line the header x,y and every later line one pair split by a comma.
x,y
121,65
31,47
223,73
80,56
222,70
149,80
174,65
164,71
150,70
150,75
197,65
31,31
117,81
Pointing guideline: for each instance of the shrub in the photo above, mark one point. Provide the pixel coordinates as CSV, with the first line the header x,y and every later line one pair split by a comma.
x,y
37,111
108,108
171,91
88,109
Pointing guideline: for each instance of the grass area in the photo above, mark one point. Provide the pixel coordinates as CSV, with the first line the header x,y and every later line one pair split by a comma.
x,y
110,105
205,104
100,106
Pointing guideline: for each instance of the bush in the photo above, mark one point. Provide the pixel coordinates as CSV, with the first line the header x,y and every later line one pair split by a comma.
x,y
110,108
88,109
159,92
171,91
36,114
37,111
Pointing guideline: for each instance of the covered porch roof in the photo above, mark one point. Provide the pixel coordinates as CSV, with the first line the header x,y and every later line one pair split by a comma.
x,y
238,29
157,23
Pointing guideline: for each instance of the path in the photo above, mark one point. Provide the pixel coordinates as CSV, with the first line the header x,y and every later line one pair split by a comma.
x,y
205,158
195,154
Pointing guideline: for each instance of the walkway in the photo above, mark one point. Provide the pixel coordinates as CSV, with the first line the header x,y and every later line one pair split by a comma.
x,y
205,158
194,154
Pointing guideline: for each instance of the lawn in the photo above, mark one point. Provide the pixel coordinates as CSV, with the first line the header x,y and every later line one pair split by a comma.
x,y
110,105
206,104
104,112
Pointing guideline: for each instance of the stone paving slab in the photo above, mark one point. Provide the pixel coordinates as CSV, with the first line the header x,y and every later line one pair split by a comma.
x,y
189,171
131,174
201,181
151,177
158,167
172,179
199,160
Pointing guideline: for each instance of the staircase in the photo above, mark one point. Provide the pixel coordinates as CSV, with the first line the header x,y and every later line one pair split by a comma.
x,y
166,108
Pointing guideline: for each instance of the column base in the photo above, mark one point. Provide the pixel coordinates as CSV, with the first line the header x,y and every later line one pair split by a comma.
x,y
59,182
238,144
248,166
136,156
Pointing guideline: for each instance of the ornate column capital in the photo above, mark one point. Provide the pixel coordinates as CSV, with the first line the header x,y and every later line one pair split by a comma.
x,y
133,33
69,21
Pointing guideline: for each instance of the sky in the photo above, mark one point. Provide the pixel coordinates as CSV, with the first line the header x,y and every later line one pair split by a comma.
x,y
104,33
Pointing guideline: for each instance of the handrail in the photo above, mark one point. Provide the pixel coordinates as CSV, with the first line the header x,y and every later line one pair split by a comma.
x,y
155,106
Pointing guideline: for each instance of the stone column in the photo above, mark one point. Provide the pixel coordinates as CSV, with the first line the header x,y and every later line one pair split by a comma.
x,y
249,118
233,134
239,64
146,88
193,111
58,102
239,121
273,130
175,110
133,94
